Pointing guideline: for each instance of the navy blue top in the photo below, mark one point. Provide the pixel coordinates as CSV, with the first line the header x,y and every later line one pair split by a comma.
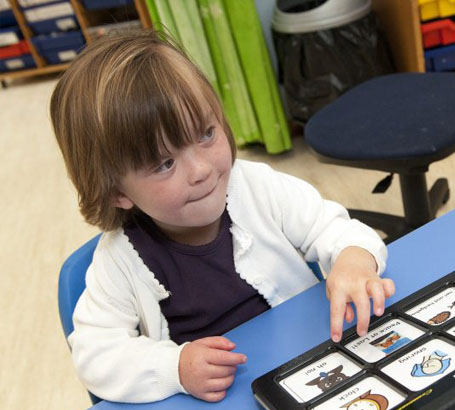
x,y
208,297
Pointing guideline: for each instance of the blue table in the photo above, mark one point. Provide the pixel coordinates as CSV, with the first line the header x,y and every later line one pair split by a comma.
x,y
302,322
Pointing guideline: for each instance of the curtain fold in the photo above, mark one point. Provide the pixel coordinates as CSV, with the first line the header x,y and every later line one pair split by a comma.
x,y
224,38
188,25
261,81
239,111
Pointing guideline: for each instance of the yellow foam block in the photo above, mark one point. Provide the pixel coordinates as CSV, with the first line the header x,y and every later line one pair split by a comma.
x,y
446,8
431,9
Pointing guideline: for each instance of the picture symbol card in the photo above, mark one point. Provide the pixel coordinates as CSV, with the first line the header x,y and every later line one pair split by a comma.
x,y
320,376
385,339
424,365
437,309
369,394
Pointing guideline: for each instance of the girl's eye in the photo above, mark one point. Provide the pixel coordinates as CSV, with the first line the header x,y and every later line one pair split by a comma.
x,y
208,134
165,166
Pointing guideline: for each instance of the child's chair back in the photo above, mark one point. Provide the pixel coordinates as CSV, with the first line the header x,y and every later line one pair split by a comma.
x,y
71,285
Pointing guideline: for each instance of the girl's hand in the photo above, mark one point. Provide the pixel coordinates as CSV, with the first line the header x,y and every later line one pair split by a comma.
x,y
353,278
207,367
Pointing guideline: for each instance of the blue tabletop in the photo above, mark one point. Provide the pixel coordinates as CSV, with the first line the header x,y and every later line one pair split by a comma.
x,y
302,322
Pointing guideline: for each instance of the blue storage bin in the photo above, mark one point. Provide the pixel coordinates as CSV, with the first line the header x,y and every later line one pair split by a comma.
x,y
59,48
64,23
7,18
10,35
104,4
73,40
429,65
47,11
32,3
440,59
60,56
17,63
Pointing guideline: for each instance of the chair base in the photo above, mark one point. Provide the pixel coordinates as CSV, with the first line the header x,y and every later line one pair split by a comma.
x,y
420,206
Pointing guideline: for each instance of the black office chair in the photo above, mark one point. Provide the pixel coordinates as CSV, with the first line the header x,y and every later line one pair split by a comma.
x,y
399,123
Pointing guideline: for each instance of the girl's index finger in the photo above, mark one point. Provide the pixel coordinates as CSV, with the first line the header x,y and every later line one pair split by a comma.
x,y
225,358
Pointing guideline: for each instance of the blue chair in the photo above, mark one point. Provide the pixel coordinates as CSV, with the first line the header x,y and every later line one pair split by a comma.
x,y
314,266
71,285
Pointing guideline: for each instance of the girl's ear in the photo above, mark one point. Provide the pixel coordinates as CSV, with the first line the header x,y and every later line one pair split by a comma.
x,y
120,200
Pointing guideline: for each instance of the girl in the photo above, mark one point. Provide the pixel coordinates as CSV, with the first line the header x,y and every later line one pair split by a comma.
x,y
196,242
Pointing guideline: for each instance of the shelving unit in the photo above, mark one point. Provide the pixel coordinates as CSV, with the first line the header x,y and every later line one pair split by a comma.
x,y
399,18
87,19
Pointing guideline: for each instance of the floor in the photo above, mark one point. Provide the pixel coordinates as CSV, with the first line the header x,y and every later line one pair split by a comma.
x,y
42,226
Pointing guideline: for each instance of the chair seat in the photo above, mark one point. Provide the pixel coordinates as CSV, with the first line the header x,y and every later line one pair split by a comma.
x,y
393,122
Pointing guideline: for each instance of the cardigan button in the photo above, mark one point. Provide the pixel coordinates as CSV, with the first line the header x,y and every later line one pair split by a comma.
x,y
257,280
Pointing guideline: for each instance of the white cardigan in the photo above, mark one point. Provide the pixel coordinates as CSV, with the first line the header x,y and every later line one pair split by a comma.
x,y
120,344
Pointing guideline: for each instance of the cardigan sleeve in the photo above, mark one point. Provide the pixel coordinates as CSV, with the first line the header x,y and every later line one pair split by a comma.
x,y
320,228
112,359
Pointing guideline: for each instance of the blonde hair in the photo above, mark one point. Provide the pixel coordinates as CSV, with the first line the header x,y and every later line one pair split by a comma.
x,y
119,105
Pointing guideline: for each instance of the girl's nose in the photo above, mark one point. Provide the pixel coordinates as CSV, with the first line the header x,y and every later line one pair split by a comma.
x,y
198,167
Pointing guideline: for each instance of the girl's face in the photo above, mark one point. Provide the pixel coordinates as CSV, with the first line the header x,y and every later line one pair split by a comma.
x,y
185,190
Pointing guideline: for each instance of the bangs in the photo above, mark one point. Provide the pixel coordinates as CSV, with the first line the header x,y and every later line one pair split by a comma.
x,y
165,106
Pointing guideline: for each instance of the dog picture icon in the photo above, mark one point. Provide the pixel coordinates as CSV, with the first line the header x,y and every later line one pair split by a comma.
x,y
368,401
434,364
327,380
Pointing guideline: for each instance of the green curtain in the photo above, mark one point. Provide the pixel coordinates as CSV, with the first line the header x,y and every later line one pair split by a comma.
x,y
224,38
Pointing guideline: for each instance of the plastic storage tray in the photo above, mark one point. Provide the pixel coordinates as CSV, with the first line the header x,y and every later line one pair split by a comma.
x,y
15,50
440,59
60,56
58,41
59,47
7,18
432,9
31,3
104,4
19,63
64,23
441,32
10,35
50,11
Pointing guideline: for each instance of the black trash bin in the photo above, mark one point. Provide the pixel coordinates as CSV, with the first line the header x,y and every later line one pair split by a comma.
x,y
325,47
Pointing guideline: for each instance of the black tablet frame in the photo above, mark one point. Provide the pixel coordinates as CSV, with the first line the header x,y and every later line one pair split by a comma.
x,y
438,396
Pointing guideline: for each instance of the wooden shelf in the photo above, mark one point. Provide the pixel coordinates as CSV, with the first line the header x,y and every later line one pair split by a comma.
x,y
144,14
401,21
33,71
85,19
79,11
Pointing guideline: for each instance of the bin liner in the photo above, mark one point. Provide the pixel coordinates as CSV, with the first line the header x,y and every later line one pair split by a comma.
x,y
316,67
